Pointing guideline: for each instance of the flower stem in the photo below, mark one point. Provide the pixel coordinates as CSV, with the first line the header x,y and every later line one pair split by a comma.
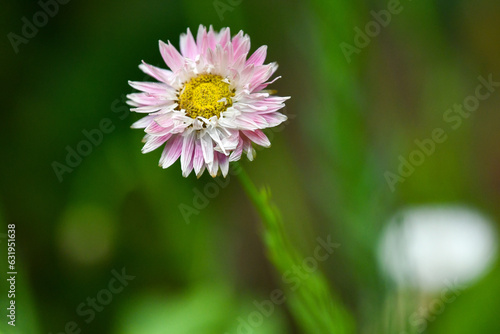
x,y
311,302
258,198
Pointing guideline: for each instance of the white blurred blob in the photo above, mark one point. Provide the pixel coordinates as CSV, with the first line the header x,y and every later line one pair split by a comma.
x,y
427,247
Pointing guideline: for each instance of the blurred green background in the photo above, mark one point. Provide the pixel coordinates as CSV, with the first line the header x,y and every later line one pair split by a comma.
x,y
349,123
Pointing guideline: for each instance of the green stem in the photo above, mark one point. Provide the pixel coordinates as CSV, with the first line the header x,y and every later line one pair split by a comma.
x,y
312,303
257,198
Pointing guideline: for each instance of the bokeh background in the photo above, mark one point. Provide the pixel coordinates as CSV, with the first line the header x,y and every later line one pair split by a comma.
x,y
349,122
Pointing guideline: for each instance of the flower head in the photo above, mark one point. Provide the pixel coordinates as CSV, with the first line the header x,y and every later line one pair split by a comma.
x,y
211,105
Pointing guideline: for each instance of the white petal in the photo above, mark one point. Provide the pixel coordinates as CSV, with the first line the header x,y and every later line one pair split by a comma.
x,y
187,153
172,151
207,147
153,142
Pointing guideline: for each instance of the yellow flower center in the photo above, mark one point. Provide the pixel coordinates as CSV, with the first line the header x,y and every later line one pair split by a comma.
x,y
205,95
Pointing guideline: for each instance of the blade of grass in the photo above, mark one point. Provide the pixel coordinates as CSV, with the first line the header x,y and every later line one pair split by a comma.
x,y
313,304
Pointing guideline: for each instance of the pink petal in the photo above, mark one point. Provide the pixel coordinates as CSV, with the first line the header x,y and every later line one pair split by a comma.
x,y
156,129
213,168
265,84
258,56
258,137
271,108
211,39
236,154
219,59
165,120
189,48
187,154
171,56
143,99
261,74
270,104
153,142
159,74
274,119
172,151
247,123
246,75
215,135
250,151
239,64
243,49
223,163
201,40
230,140
241,44
143,122
201,171
224,37
198,160
151,87
163,107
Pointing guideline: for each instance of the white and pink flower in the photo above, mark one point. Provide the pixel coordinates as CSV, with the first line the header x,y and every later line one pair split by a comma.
x,y
211,105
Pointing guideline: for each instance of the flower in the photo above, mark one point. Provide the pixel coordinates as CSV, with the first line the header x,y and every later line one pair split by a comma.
x,y
426,247
211,105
